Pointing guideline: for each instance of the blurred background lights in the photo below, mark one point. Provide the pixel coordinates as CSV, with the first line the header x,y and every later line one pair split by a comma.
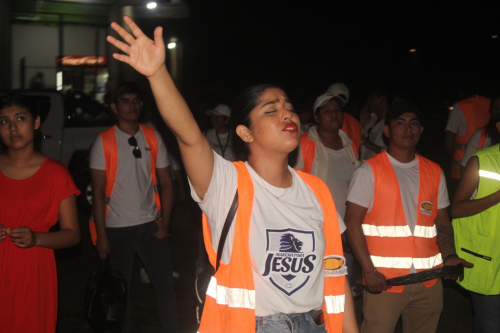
x,y
151,5
413,50
171,45
494,36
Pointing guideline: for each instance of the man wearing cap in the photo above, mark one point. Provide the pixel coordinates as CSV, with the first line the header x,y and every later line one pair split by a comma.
x,y
398,224
220,136
352,127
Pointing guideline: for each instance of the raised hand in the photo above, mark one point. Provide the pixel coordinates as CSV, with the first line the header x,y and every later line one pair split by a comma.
x,y
144,55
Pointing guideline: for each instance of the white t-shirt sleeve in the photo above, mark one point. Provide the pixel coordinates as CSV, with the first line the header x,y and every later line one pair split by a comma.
x,y
362,186
218,199
456,121
342,225
472,147
97,160
443,199
161,158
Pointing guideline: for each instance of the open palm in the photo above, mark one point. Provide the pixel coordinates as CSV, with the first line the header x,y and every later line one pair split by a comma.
x,y
144,55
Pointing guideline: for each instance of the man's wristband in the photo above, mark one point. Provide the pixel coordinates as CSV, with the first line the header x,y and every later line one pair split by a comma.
x,y
374,270
453,255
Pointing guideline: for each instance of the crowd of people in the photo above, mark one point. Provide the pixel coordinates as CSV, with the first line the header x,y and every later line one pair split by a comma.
x,y
358,206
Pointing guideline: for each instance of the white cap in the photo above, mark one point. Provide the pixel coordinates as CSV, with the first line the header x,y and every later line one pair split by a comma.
x,y
339,89
220,110
323,99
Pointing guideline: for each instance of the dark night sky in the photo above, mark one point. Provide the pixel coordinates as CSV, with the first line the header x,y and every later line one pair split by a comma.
x,y
306,46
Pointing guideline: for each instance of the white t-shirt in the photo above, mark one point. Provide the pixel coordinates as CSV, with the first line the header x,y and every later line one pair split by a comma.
x,y
362,189
456,121
132,199
375,133
286,229
221,145
340,171
473,146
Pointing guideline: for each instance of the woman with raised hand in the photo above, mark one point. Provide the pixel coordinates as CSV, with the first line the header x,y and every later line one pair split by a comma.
x,y
282,266
35,192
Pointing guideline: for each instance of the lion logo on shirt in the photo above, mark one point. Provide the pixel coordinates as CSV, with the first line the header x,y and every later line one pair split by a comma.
x,y
290,259
289,243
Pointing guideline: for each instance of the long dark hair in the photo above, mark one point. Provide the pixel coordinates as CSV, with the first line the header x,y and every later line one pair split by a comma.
x,y
242,106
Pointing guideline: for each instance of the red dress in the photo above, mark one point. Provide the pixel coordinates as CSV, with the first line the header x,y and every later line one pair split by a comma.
x,y
28,278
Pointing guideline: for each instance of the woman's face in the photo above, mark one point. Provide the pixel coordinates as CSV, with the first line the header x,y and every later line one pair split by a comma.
x,y
274,124
330,116
219,122
17,127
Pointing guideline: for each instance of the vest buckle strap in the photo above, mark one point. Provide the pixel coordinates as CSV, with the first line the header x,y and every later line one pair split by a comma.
x,y
335,304
456,162
232,297
460,145
156,188
106,200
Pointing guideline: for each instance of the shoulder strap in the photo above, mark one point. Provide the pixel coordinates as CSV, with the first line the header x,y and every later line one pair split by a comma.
x,y
225,229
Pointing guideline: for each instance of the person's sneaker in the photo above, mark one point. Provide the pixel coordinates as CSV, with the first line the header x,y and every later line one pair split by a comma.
x,y
143,276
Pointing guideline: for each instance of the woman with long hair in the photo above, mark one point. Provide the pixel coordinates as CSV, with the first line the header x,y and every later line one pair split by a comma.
x,y
35,192
282,266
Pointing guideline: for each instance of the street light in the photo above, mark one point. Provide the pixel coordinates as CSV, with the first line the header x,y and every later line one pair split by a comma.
x,y
151,5
171,45
413,50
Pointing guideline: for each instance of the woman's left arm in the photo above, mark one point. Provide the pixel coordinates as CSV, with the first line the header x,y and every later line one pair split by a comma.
x,y
349,325
69,234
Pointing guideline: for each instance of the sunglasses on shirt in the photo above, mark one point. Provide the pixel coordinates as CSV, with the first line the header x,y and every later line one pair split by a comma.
x,y
136,151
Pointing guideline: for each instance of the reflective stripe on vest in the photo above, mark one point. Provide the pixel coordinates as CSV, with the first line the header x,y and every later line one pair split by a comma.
x,y
391,245
406,262
489,175
399,231
111,162
476,114
232,297
230,301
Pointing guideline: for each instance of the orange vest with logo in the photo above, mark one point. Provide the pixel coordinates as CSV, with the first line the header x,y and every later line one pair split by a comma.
x,y
393,249
111,160
230,301
476,113
352,127
308,148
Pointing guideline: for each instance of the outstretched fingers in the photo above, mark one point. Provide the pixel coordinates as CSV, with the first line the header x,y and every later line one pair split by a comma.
x,y
119,44
158,34
133,27
123,33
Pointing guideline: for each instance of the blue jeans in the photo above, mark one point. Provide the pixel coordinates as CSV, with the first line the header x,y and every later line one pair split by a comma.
x,y
486,313
289,323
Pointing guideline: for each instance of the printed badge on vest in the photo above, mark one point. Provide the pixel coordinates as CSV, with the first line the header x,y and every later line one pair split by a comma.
x,y
290,258
426,208
334,265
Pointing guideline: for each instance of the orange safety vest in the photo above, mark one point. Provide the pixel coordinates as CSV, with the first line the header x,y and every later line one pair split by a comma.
x,y
393,248
308,148
482,138
476,113
352,127
111,160
230,301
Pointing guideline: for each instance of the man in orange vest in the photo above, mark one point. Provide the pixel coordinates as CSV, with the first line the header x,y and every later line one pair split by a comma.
x,y
398,224
131,214
465,118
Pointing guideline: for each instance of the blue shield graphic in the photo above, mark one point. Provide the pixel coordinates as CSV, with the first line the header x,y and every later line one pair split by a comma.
x,y
290,258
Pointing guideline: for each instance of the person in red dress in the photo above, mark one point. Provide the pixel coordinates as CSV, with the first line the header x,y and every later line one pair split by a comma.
x,y
35,192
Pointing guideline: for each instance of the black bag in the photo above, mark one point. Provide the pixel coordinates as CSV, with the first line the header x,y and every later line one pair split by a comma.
x,y
203,280
106,300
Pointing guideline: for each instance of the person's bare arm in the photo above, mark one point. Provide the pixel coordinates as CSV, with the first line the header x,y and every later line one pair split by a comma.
x,y
148,58
449,143
446,241
370,145
167,201
349,325
68,235
462,205
99,209
354,215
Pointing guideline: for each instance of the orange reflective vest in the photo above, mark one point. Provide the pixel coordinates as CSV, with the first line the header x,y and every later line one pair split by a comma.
x,y
482,139
111,160
308,148
230,300
393,249
352,127
476,113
